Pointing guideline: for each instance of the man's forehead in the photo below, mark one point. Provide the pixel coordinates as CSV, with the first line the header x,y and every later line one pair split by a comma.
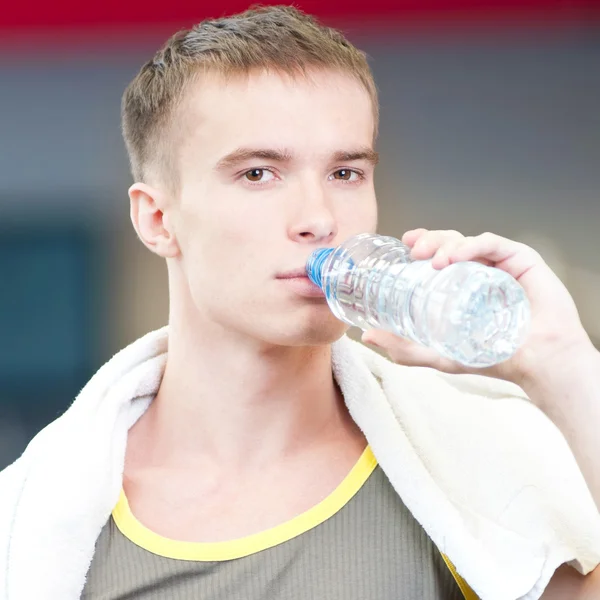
x,y
260,89
223,115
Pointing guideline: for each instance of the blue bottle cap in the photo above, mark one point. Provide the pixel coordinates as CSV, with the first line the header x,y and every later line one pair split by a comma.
x,y
314,265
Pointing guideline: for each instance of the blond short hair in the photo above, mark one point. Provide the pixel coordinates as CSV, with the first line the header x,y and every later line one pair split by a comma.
x,y
273,38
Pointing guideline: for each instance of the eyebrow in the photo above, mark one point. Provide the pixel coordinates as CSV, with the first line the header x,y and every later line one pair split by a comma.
x,y
241,155
367,154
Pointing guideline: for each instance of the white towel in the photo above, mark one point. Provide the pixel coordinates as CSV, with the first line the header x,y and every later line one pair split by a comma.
x,y
487,475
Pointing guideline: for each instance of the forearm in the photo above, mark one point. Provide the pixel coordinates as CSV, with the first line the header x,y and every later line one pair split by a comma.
x,y
569,394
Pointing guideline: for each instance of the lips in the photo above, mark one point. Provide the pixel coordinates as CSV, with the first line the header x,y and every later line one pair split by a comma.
x,y
302,286
301,272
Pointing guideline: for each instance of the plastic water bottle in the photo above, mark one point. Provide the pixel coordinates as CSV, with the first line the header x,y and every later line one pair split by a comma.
x,y
471,313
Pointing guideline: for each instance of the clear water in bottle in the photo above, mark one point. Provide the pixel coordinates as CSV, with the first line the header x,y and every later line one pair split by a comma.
x,y
468,312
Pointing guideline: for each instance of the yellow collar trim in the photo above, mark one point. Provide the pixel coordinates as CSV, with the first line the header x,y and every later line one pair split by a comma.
x,y
140,535
466,590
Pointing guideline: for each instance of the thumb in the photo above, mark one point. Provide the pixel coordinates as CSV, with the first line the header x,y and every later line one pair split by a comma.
x,y
409,353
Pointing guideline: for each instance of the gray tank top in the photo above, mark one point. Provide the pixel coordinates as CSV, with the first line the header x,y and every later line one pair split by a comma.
x,y
360,543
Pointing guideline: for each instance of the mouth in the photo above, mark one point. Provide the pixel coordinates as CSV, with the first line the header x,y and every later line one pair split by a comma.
x,y
294,274
298,281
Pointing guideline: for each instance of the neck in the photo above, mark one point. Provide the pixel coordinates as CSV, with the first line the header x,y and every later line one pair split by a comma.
x,y
234,401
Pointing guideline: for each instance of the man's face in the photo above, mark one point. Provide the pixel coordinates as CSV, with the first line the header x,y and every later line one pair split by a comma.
x,y
272,168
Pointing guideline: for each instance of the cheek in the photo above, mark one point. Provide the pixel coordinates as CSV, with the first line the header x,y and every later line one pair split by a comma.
x,y
225,236
362,218
221,260
370,217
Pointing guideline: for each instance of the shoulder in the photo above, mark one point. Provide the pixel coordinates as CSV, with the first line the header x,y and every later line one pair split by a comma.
x,y
486,424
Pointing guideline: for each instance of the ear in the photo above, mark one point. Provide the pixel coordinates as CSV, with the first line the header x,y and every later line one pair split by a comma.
x,y
149,218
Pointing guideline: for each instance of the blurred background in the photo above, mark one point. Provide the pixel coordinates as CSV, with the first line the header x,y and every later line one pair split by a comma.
x,y
490,122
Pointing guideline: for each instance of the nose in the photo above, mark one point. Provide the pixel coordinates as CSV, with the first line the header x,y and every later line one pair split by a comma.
x,y
315,221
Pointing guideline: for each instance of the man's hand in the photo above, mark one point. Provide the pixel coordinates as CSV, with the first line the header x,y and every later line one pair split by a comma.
x,y
556,332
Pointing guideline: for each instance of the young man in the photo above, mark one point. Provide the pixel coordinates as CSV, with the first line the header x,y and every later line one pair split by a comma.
x,y
265,455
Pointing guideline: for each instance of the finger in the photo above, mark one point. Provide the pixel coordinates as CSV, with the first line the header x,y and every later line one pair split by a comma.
x,y
513,257
429,243
446,253
410,237
441,258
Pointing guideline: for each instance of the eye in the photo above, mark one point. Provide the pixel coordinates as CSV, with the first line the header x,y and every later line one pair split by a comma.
x,y
258,175
346,175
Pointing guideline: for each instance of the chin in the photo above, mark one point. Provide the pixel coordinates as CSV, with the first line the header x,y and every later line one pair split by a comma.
x,y
316,333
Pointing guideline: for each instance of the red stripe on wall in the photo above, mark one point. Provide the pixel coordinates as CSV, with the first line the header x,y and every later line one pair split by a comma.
x,y
26,14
